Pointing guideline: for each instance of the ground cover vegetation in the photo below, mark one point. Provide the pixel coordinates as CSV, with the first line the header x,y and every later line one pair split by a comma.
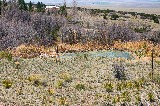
x,y
32,40
78,81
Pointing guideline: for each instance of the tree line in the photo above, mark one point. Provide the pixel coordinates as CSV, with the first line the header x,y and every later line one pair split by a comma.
x,y
39,7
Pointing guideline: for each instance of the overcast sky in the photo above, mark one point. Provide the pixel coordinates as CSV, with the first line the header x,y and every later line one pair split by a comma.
x,y
144,3
59,1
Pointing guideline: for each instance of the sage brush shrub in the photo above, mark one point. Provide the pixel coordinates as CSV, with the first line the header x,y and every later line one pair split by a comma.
x,y
119,71
22,27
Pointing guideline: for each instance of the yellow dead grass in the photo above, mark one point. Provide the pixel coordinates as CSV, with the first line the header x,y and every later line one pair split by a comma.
x,y
143,47
27,51
139,46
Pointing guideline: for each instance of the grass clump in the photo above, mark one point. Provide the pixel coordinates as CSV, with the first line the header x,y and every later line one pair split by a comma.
x,y
60,83
66,77
62,101
6,55
126,96
120,86
108,87
139,83
158,62
80,87
51,91
7,83
129,85
157,79
116,99
138,98
151,97
36,79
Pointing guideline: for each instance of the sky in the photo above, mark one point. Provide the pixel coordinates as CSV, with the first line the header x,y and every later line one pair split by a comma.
x,y
140,3
60,1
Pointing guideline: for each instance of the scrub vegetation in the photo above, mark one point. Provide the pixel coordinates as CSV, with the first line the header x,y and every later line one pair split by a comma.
x,y
34,41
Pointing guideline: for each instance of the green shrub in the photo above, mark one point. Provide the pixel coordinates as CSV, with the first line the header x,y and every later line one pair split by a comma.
x,y
108,87
6,55
126,96
37,82
121,86
137,84
105,16
140,30
60,83
129,85
80,87
138,99
7,83
151,97
114,17
155,19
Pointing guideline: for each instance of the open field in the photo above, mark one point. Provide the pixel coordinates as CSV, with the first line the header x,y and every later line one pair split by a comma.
x,y
70,56
139,10
81,81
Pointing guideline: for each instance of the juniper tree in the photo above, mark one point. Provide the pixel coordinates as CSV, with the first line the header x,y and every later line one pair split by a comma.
x,y
22,5
30,6
63,10
40,7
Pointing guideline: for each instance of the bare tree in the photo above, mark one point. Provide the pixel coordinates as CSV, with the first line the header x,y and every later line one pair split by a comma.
x,y
74,10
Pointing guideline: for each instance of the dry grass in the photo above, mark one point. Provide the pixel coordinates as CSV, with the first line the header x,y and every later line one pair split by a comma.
x,y
90,46
138,48
141,48
31,51
27,51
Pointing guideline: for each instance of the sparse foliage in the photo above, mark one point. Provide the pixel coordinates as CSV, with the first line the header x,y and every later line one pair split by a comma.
x,y
119,71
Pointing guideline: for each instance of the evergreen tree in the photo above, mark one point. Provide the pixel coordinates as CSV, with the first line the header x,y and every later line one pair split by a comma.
x,y
43,6
40,7
22,5
30,6
155,19
63,10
